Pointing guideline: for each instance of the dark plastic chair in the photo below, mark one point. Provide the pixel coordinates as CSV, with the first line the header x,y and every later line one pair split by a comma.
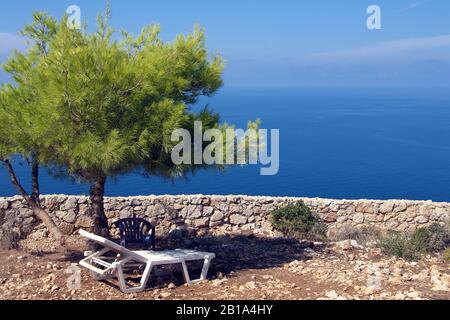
x,y
136,231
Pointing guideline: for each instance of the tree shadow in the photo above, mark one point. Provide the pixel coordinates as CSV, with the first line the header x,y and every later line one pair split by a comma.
x,y
64,255
240,252
233,253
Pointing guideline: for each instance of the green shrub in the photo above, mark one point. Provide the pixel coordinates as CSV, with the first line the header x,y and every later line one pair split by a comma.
x,y
437,237
362,235
447,254
296,220
410,246
402,245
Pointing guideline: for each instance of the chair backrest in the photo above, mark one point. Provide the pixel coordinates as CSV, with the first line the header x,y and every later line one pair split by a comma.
x,y
134,230
109,244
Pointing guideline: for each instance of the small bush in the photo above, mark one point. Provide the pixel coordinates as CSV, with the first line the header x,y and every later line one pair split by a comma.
x,y
402,245
8,239
447,254
410,246
362,235
296,220
437,237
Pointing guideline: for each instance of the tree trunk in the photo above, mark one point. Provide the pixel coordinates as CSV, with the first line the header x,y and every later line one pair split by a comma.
x,y
33,203
97,192
35,193
49,223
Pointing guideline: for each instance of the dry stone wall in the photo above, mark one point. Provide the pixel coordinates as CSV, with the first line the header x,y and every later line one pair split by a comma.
x,y
225,214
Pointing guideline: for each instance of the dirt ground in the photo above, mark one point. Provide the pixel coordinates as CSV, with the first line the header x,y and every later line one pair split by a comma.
x,y
246,267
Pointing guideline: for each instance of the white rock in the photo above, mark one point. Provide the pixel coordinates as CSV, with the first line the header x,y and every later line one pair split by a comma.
x,y
332,294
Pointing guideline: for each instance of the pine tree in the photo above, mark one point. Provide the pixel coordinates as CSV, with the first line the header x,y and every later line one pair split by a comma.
x,y
104,106
24,124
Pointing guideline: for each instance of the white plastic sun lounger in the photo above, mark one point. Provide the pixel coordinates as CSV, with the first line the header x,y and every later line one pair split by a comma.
x,y
120,258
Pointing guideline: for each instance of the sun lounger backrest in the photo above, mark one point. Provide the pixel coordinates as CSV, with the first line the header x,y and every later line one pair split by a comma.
x,y
111,245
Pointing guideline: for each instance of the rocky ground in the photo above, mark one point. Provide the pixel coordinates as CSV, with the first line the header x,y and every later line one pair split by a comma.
x,y
246,267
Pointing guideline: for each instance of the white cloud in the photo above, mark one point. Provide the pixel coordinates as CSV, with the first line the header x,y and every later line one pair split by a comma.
x,y
384,50
9,42
414,5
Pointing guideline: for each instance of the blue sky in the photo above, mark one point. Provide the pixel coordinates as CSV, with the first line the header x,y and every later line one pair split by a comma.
x,y
286,42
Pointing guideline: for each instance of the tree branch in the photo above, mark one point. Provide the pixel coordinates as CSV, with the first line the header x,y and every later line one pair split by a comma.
x,y
15,181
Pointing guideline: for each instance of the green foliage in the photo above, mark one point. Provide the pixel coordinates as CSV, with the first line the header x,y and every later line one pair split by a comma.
x,y
124,98
362,235
403,245
447,254
27,122
411,245
41,30
436,236
99,105
297,220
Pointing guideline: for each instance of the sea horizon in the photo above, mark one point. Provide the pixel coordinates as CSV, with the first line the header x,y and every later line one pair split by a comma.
x,y
385,143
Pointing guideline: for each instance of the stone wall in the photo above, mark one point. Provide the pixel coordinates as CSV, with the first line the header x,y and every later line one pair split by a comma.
x,y
225,214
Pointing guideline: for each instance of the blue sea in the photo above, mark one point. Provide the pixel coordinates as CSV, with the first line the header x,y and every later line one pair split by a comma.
x,y
334,143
